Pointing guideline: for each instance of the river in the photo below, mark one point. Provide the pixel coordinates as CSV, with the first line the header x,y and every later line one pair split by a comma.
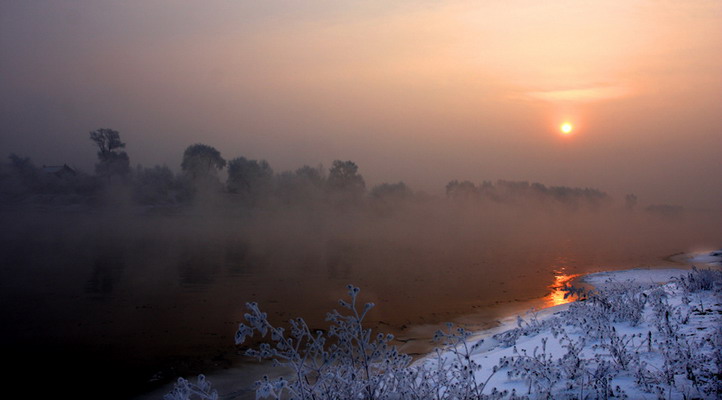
x,y
124,302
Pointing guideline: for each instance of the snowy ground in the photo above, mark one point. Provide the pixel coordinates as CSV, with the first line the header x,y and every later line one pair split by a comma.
x,y
647,336
640,334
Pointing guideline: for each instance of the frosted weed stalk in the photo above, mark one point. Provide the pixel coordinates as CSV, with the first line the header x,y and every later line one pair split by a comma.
x,y
456,368
184,390
344,362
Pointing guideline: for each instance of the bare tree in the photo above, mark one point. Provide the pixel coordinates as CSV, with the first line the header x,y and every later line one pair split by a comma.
x,y
111,161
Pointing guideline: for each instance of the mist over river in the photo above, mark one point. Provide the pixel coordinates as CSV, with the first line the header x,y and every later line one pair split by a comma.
x,y
121,300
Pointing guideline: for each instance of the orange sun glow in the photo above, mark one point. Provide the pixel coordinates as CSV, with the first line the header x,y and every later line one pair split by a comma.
x,y
566,128
558,293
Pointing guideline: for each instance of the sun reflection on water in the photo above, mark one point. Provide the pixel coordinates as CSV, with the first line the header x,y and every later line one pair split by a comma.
x,y
562,280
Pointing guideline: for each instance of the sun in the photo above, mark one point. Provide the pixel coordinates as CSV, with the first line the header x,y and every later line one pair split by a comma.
x,y
566,128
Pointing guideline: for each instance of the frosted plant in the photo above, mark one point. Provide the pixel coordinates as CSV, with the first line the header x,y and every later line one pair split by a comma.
x,y
539,369
528,328
458,379
185,390
600,379
344,362
701,279
573,364
621,348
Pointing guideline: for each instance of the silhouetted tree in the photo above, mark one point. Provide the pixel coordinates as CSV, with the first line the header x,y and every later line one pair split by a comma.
x,y
461,190
252,178
107,140
313,176
306,184
630,202
386,198
344,175
19,178
111,161
201,161
391,191
158,185
24,168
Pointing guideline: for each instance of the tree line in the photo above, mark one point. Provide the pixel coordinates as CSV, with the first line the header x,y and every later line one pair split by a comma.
x,y
252,182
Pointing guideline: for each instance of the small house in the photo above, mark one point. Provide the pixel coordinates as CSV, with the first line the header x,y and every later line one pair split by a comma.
x,y
60,171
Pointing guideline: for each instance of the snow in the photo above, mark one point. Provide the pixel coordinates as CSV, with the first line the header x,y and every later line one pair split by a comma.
x,y
656,276
648,277
711,257
672,350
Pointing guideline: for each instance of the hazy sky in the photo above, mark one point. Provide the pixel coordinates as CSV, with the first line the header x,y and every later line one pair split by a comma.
x,y
420,91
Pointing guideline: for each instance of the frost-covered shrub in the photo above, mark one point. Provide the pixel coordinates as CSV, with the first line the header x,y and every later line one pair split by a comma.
x,y
600,309
185,390
600,379
344,362
573,364
528,327
622,301
701,279
539,369
457,377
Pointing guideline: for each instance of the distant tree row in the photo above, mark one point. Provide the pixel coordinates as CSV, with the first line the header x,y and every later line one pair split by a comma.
x,y
250,182
254,183
515,192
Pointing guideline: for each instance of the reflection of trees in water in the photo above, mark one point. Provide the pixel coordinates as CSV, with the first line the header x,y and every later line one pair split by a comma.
x,y
242,260
199,264
236,254
339,259
107,270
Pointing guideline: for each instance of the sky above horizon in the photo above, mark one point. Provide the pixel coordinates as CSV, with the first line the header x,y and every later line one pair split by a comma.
x,y
416,91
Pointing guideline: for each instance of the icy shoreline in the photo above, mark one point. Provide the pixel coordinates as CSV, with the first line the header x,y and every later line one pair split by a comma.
x,y
652,276
670,349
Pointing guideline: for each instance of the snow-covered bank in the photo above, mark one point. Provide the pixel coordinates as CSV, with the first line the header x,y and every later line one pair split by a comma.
x,y
641,334
711,258
646,333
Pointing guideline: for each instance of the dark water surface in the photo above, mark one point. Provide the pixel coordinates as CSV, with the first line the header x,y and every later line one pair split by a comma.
x,y
121,302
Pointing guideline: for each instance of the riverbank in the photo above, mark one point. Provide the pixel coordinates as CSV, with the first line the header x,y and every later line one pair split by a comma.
x,y
231,387
646,333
